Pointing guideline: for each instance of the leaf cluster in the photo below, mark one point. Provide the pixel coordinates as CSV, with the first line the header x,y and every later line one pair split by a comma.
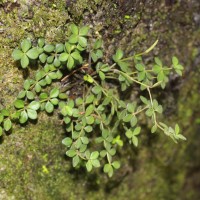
x,y
98,121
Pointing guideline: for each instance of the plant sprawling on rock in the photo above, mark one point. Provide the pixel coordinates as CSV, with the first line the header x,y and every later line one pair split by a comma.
x,y
73,78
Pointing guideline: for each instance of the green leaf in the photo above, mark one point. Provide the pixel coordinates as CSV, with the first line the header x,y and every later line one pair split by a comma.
x,y
154,129
49,107
63,57
75,160
88,129
119,54
39,75
82,41
30,95
32,53
67,120
5,112
177,129
38,88
1,131
140,67
135,141
102,75
94,57
149,112
54,101
137,131
99,53
144,100
158,61
89,99
74,29
71,153
67,110
141,76
49,48
43,96
133,121
116,164
7,125
67,141
95,163
90,120
59,48
175,61
160,76
79,101
24,61
89,110
17,54
130,107
124,66
19,104
89,166
96,89
157,69
98,44
129,134
48,79
127,118
84,30
159,109
50,59
25,45
34,105
108,169
27,84
41,42
88,78
56,62
70,63
23,117
84,140
94,155
76,55
32,114
54,92
1,117
73,39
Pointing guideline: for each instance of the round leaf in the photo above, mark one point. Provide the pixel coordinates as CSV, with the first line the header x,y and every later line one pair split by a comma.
x,y
49,107
7,125
23,117
32,114
25,45
17,54
32,53
24,61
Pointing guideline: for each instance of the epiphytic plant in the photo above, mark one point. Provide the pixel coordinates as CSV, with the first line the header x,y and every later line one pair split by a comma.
x,y
73,78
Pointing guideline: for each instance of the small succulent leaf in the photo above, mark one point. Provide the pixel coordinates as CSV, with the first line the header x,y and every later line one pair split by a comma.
x,y
34,105
67,141
33,53
7,125
23,117
19,104
49,107
24,61
17,54
49,48
54,92
32,114
25,45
